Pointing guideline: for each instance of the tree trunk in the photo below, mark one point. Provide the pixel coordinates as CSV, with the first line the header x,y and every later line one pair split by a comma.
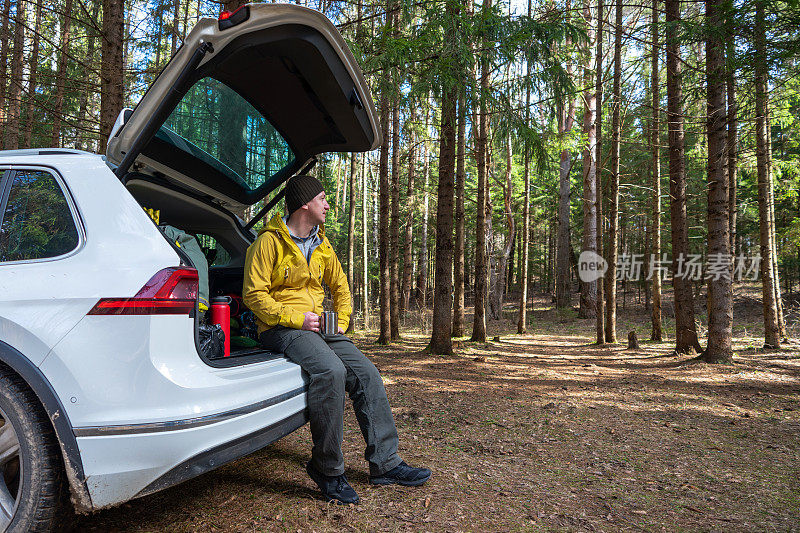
x,y
613,184
481,270
600,314
336,171
383,173
588,300
522,320
5,41
34,66
84,122
351,229
772,337
562,248
176,10
733,143
158,13
685,329
394,227
422,259
655,219
720,308
61,76
565,120
111,66
409,241
441,342
511,263
461,176
15,82
185,25
502,261
772,223
491,255
365,305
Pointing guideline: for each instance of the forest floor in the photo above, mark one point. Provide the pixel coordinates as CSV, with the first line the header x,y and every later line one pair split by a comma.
x,y
537,432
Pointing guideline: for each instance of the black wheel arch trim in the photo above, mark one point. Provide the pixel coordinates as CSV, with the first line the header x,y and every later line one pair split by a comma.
x,y
39,384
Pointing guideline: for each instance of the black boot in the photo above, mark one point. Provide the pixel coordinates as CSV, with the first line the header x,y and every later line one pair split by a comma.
x,y
402,474
334,488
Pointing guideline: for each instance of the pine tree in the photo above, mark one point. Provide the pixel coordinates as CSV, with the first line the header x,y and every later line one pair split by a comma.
x,y
720,302
441,342
655,148
111,65
61,76
613,184
522,320
772,334
481,140
458,252
12,125
394,225
588,300
685,328
600,314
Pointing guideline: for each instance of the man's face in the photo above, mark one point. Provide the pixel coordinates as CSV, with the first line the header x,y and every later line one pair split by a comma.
x,y
317,208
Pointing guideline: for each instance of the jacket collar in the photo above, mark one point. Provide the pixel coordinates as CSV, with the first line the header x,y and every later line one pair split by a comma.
x,y
277,225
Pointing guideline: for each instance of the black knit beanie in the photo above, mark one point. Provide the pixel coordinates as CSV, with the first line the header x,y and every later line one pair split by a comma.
x,y
300,190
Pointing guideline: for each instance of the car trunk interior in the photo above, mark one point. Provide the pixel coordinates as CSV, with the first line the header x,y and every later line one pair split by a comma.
x,y
223,241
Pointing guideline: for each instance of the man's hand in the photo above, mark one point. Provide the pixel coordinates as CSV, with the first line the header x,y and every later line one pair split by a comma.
x,y
341,331
311,322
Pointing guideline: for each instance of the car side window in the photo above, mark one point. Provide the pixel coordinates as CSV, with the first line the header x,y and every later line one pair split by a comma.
x,y
37,222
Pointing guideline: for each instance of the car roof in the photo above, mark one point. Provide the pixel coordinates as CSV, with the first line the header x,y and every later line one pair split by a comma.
x,y
44,151
48,157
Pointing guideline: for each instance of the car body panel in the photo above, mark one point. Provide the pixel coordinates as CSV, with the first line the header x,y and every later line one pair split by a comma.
x,y
150,372
50,296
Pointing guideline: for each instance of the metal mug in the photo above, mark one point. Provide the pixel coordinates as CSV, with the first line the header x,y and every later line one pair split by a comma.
x,y
329,323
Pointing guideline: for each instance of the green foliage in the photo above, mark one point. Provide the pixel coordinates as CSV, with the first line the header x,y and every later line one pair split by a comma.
x,y
414,63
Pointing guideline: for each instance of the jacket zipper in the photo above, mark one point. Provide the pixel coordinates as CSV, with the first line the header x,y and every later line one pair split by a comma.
x,y
308,266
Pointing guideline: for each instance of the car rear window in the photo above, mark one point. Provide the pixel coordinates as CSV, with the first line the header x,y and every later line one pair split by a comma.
x,y
36,222
214,123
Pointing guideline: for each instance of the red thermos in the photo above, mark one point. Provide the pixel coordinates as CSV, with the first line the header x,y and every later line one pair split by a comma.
x,y
221,314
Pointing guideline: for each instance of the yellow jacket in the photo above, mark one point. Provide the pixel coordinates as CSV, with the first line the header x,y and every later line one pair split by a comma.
x,y
280,285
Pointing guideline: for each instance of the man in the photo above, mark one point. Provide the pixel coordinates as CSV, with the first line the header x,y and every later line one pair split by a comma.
x,y
283,275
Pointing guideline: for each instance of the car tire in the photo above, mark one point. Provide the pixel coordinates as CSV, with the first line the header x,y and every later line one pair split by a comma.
x,y
33,494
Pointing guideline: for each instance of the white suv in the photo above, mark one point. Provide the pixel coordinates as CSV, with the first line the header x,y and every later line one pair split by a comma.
x,y
105,394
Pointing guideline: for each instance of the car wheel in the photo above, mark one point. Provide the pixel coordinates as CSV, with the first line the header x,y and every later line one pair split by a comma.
x,y
32,491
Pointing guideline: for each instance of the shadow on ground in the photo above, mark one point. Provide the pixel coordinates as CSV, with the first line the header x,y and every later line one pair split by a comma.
x,y
533,432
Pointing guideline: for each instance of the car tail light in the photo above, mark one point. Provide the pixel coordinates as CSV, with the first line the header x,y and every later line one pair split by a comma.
x,y
172,291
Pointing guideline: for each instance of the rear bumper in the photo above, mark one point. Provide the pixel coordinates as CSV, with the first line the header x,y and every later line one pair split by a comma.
x,y
220,455
119,467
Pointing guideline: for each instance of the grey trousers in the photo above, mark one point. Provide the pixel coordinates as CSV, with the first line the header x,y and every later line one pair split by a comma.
x,y
334,366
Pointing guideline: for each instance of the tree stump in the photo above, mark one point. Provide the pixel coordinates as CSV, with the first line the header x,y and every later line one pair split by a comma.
x,y
633,343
